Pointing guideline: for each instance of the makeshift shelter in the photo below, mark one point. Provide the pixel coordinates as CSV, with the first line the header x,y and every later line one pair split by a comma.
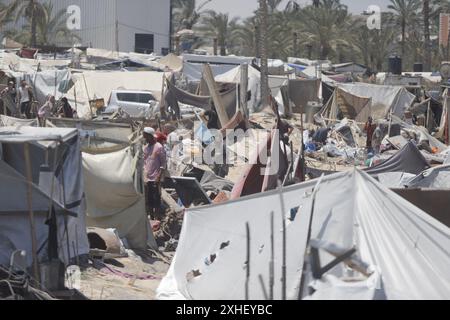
x,y
114,196
405,248
361,100
254,83
408,159
42,184
99,84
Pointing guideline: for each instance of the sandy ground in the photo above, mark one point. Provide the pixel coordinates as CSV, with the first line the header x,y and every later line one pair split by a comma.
x,y
104,285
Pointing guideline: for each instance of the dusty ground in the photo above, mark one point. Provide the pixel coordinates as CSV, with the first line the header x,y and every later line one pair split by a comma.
x,y
104,285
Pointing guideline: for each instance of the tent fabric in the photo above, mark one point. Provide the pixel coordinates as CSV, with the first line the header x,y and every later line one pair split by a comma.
x,y
408,159
303,91
174,94
193,71
172,61
406,245
99,84
113,201
6,121
395,179
66,196
254,83
434,178
385,99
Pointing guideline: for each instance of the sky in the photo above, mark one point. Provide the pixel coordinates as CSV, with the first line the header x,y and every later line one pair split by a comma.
x,y
245,8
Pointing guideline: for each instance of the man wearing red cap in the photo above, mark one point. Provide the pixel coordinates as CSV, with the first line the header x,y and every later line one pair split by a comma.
x,y
154,166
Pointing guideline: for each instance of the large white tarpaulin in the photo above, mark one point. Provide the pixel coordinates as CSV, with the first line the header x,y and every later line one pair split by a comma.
x,y
114,200
57,182
385,99
408,248
99,84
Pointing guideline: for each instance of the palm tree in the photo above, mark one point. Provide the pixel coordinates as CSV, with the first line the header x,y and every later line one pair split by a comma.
x,y
217,25
325,26
31,10
406,11
50,29
426,23
263,17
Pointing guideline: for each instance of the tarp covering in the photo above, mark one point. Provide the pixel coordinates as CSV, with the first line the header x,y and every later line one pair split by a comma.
x,y
254,83
434,178
385,99
175,95
409,248
395,179
303,91
6,121
99,84
113,200
67,193
408,159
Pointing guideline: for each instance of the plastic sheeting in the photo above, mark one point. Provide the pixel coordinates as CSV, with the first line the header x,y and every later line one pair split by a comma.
x,y
434,178
254,83
113,201
384,98
99,84
66,195
408,159
408,247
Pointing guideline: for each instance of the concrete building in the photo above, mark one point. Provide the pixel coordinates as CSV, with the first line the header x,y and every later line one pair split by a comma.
x,y
123,25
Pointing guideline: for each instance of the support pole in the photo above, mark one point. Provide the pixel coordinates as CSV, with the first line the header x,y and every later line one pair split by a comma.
x,y
272,257
243,87
212,87
283,266
247,280
30,211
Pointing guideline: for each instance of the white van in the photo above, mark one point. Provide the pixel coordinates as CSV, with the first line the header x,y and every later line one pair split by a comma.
x,y
137,104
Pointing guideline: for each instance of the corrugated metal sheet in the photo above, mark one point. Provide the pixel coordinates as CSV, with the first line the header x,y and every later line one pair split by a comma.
x,y
98,22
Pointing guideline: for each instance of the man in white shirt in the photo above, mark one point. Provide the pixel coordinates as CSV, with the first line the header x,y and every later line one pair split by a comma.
x,y
25,98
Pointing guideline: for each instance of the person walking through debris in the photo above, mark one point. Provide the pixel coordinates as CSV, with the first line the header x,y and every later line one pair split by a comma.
x,y
154,166
369,129
25,98
66,111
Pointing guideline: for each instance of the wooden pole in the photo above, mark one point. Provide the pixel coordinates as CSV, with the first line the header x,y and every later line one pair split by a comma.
x,y
212,87
243,90
31,212
283,266
247,280
272,257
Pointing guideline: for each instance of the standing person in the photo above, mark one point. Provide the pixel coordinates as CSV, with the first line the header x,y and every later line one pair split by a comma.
x,y
25,98
285,129
211,117
369,129
377,139
66,111
9,95
155,161
46,110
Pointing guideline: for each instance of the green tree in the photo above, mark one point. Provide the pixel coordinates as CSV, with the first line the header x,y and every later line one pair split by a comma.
x,y
32,10
218,26
406,13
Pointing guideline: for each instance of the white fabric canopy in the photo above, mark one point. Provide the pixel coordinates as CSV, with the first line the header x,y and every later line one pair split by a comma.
x,y
408,247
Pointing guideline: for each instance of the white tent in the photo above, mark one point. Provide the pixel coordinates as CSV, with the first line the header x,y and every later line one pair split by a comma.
x,y
114,196
254,83
55,161
99,84
386,99
408,249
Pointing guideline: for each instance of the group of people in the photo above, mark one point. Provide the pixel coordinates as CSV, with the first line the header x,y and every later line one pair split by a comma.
x,y
374,136
23,100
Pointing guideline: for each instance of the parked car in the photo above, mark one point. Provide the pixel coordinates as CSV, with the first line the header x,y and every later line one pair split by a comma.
x,y
137,104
